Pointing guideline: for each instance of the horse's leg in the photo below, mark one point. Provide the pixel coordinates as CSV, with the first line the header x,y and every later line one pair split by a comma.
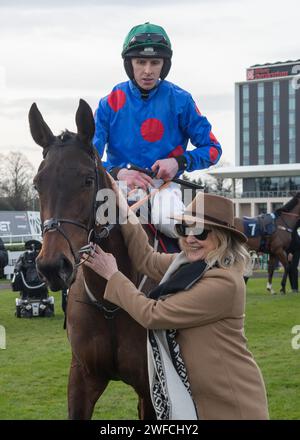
x,y
284,278
271,267
83,392
284,261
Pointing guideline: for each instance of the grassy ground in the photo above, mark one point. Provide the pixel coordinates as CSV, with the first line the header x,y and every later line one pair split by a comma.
x,y
34,366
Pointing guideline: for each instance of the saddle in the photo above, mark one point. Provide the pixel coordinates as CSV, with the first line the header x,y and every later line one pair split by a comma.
x,y
261,226
169,245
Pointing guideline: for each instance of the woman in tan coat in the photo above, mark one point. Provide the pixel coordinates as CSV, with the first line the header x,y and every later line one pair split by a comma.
x,y
202,296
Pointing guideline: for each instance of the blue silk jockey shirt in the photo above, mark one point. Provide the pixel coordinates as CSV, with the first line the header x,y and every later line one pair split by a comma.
x,y
141,131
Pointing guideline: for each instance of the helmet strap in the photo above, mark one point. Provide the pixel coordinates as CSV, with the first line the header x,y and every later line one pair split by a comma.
x,y
128,68
165,68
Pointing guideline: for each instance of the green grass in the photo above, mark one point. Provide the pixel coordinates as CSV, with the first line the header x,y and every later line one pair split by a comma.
x,y
34,367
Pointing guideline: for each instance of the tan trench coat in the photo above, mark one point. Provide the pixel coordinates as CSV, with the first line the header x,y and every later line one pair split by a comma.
x,y
225,380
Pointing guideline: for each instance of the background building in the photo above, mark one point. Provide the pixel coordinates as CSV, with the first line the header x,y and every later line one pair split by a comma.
x,y
267,122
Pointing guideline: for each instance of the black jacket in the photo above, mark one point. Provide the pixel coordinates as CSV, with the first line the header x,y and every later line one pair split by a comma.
x,y
295,240
3,255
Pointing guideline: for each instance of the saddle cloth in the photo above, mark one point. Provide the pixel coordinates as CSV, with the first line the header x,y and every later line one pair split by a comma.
x,y
261,226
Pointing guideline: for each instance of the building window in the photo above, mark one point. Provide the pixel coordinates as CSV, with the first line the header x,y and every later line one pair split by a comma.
x,y
292,132
276,88
291,88
246,108
276,152
246,158
246,122
276,119
245,92
292,103
260,90
261,123
292,123
276,123
292,118
276,105
246,136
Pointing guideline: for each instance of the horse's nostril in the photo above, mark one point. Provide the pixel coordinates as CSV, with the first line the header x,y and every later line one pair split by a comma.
x,y
59,273
66,267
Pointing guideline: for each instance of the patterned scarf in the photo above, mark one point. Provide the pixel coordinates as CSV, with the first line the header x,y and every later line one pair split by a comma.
x,y
169,385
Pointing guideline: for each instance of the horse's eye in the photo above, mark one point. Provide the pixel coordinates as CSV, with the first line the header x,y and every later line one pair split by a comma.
x,y
89,181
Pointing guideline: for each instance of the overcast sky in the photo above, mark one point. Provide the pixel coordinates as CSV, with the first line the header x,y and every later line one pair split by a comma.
x,y
54,52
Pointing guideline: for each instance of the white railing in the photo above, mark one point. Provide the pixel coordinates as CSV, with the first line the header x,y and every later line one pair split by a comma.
x,y
16,240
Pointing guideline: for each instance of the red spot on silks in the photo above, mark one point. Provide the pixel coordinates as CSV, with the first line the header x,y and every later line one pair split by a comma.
x,y
116,100
178,151
213,138
197,110
152,130
213,154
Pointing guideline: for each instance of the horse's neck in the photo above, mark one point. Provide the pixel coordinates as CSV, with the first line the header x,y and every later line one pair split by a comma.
x,y
291,218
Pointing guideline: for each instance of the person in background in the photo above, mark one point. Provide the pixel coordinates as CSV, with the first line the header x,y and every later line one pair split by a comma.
x,y
198,361
148,121
293,258
3,257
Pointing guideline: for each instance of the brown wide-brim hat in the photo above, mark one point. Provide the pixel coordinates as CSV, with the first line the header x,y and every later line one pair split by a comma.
x,y
210,209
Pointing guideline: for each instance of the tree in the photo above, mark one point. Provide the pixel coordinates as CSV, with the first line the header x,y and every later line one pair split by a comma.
x,y
16,189
221,186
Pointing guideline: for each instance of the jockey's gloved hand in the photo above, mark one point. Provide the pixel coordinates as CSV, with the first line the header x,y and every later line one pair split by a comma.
x,y
135,179
165,169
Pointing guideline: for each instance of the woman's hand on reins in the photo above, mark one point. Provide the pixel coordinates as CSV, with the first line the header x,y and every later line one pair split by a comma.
x,y
100,262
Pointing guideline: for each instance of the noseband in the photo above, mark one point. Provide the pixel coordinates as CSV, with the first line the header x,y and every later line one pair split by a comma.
x,y
54,224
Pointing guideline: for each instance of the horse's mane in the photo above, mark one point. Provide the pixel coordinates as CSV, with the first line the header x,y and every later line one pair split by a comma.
x,y
289,205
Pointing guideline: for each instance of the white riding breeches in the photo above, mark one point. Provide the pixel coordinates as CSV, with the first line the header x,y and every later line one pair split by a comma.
x,y
166,203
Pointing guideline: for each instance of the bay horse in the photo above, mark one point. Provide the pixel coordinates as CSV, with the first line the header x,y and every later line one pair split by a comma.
x,y
278,243
107,344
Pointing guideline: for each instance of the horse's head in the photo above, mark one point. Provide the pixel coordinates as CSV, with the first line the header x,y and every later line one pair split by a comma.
x,y
67,182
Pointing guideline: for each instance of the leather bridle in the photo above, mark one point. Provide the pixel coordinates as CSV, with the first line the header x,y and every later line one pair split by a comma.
x,y
55,224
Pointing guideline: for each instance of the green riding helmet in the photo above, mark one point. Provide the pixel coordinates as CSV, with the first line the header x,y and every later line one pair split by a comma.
x,y
147,41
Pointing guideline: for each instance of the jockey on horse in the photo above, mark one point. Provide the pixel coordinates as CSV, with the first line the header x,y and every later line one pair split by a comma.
x,y
148,121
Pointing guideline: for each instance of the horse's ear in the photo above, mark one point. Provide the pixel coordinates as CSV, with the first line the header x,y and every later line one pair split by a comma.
x,y
85,122
40,131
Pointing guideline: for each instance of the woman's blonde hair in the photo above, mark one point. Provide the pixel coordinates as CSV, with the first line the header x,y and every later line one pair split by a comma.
x,y
229,251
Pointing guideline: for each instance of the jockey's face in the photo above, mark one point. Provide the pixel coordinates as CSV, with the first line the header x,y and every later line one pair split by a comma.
x,y
146,71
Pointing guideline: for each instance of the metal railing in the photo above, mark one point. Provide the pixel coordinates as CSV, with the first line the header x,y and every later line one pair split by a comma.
x,y
16,240
254,194
265,194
